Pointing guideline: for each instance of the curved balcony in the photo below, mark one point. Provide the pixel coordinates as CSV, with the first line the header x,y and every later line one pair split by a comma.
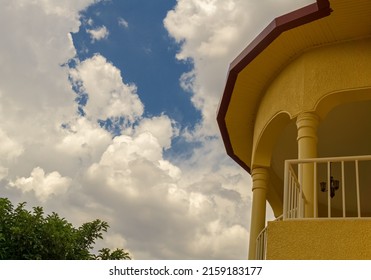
x,y
336,224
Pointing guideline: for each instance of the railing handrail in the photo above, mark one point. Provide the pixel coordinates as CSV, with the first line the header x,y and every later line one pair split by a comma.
x,y
327,159
291,184
261,246
294,198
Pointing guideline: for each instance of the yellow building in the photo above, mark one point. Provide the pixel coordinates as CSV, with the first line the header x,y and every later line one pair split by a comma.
x,y
296,115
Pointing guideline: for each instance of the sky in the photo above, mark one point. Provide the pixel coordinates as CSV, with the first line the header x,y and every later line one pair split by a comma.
x,y
108,110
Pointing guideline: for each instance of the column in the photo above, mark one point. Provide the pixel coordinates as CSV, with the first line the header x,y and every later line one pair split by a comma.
x,y
259,190
307,124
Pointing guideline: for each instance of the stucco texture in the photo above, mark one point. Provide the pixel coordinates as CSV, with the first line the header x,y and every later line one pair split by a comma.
x,y
319,239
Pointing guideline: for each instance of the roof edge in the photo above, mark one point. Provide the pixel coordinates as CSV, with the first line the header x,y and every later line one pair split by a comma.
x,y
312,12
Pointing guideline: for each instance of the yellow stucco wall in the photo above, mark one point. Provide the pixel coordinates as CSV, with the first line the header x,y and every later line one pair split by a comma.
x,y
319,239
341,69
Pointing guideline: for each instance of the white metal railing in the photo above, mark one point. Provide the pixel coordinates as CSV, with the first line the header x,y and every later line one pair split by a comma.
x,y
261,243
294,196
295,201
348,172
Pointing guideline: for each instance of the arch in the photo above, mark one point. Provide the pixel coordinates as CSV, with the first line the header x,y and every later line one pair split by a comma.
x,y
337,98
264,147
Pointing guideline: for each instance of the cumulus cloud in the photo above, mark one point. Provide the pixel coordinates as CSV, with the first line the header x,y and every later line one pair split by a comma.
x,y
83,139
109,96
144,152
41,44
43,185
165,211
36,97
98,33
161,127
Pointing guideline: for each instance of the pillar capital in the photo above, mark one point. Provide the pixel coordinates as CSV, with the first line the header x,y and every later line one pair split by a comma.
x,y
307,123
260,178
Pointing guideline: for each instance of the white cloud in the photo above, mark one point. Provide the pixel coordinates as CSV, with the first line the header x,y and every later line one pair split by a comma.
x,y
167,211
9,149
84,139
36,97
162,127
109,96
125,156
43,185
58,9
98,34
122,22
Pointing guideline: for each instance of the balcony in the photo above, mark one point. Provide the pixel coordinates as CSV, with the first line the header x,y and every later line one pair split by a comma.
x,y
326,208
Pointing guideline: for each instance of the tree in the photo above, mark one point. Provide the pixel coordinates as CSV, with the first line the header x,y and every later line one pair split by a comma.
x,y
29,235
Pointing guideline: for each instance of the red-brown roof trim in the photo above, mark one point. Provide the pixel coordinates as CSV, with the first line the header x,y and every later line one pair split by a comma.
x,y
283,23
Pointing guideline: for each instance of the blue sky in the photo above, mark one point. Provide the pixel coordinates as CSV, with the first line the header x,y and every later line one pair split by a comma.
x,y
144,52
108,110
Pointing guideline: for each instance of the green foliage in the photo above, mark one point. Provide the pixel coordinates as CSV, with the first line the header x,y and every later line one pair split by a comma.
x,y
118,254
26,235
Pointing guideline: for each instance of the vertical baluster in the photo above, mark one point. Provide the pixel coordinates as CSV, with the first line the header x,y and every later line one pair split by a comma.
x,y
343,187
285,191
300,186
289,197
295,204
261,247
328,189
357,185
292,198
265,246
315,204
